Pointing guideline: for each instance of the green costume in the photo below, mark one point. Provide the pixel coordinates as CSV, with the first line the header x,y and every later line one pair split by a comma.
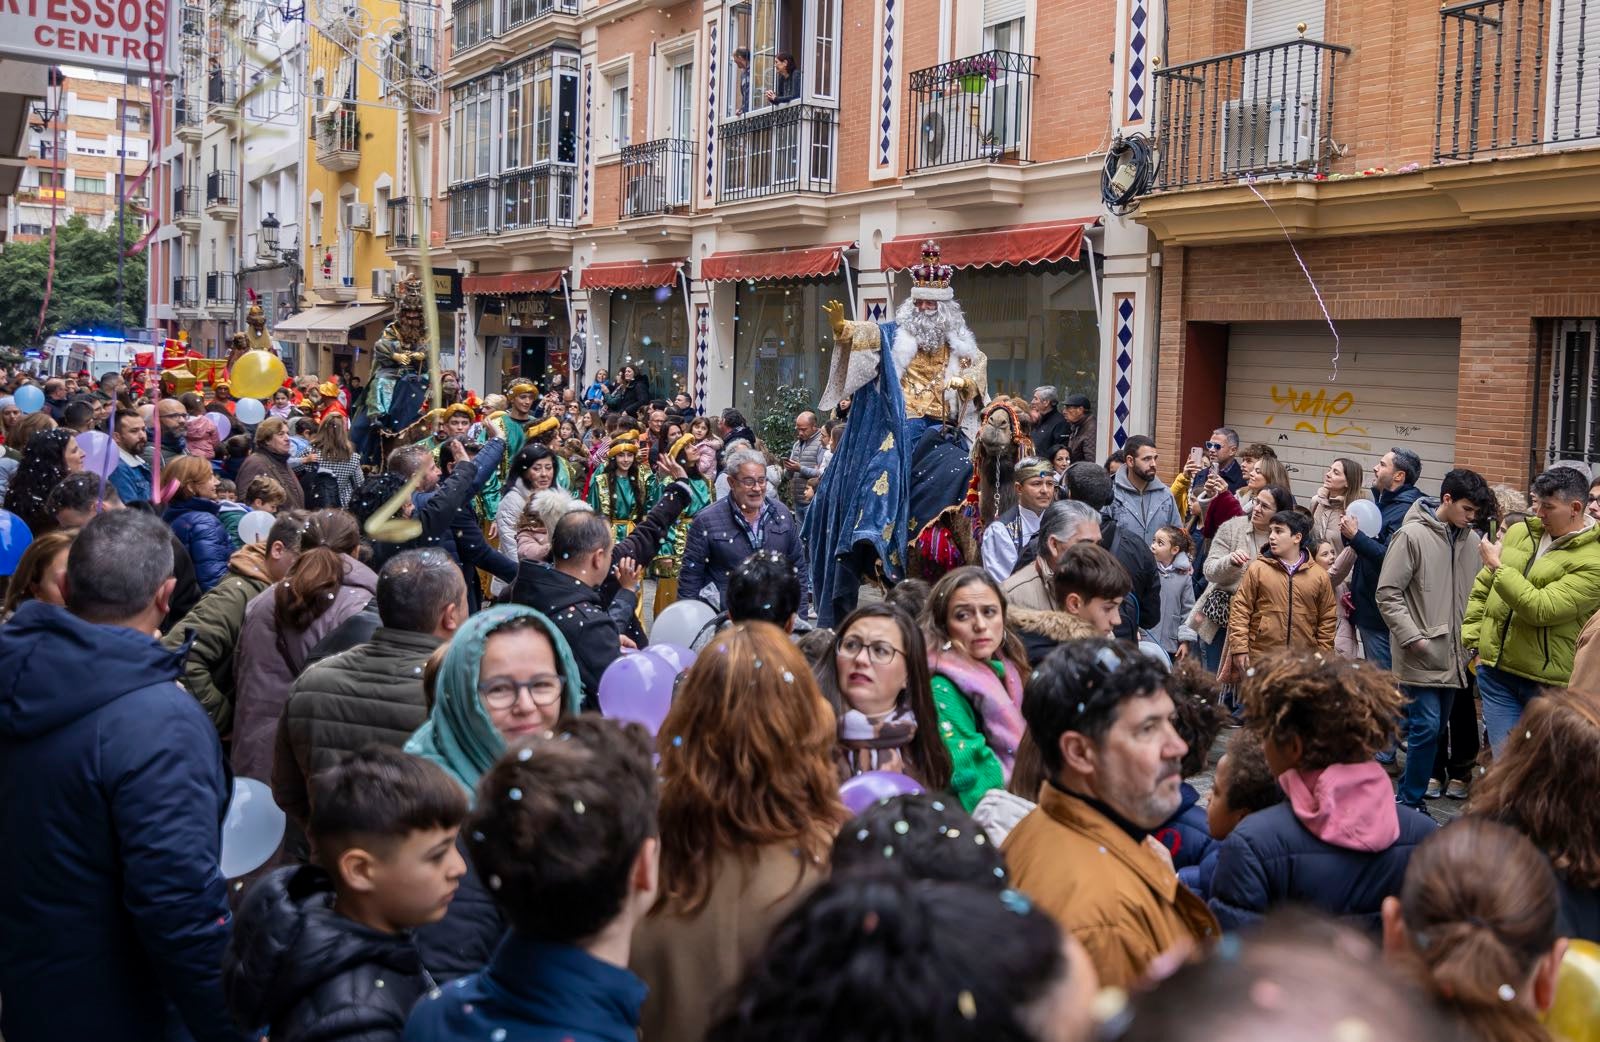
x,y
516,437
620,501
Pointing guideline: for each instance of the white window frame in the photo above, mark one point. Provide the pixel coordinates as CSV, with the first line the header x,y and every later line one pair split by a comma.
x,y
616,79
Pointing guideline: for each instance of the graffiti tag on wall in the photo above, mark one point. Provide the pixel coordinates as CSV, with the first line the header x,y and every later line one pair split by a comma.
x,y
1315,412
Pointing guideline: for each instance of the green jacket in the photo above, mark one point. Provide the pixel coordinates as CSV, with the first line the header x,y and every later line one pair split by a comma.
x,y
1524,618
215,622
975,769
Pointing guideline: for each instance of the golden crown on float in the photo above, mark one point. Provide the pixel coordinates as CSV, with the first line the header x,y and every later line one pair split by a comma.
x,y
930,280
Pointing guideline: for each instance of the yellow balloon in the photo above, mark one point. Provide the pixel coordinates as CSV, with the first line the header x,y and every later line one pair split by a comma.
x,y
257,374
1575,1016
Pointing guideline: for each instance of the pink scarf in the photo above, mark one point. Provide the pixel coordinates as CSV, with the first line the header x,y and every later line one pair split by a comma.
x,y
999,706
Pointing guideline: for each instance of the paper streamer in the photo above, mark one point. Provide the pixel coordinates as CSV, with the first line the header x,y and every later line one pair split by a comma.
x,y
1251,183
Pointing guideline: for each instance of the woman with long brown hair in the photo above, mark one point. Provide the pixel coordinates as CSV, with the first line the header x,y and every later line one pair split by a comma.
x,y
326,585
1543,784
977,666
336,456
876,677
749,809
1476,921
1341,486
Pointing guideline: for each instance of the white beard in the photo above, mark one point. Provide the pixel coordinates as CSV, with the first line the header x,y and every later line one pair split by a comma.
x,y
930,329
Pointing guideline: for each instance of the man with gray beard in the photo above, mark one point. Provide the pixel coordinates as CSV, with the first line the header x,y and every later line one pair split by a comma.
x,y
919,375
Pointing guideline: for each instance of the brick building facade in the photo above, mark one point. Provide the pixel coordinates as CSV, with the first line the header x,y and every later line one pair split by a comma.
x,y
1441,190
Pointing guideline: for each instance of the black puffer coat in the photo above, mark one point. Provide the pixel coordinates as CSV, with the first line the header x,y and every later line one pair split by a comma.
x,y
308,974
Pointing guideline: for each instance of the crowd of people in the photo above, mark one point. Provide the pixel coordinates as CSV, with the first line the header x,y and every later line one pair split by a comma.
x,y
410,658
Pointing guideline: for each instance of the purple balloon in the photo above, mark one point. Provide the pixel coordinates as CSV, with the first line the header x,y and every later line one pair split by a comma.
x,y
677,656
221,422
869,787
100,456
638,687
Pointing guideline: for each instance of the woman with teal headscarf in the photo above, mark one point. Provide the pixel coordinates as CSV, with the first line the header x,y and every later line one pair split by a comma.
x,y
507,672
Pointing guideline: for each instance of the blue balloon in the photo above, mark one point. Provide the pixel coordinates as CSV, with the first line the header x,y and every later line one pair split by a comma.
x,y
29,398
14,539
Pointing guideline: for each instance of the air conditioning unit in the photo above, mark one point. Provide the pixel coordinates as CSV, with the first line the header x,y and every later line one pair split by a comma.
x,y
1267,135
947,131
360,217
383,282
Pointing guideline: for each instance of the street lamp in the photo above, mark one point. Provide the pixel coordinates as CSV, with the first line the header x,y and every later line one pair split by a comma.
x,y
269,233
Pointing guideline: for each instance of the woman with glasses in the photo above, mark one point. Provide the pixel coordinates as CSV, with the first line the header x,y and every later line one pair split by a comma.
x,y
876,676
977,667
507,674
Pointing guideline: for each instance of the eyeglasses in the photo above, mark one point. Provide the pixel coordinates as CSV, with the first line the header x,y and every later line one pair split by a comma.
x,y
755,482
1214,446
879,653
503,692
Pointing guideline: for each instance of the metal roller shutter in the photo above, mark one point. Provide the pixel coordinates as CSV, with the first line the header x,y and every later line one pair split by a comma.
x,y
1396,386
1275,21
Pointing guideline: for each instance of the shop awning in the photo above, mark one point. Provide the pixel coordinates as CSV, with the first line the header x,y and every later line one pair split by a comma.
x,y
547,281
631,274
994,247
328,323
808,263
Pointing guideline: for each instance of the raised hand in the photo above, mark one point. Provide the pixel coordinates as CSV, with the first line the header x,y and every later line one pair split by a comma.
x,y
835,312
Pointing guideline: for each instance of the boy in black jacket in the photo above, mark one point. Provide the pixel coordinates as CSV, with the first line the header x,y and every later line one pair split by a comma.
x,y
326,952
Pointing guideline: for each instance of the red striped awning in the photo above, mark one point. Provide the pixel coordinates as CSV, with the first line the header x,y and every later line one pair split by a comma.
x,y
631,274
515,282
808,263
994,247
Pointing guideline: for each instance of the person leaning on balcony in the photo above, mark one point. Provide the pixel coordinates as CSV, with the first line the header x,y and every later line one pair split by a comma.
x,y
786,81
741,61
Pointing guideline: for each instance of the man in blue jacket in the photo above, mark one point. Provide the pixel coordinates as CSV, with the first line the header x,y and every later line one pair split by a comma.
x,y
113,912
723,534
1394,486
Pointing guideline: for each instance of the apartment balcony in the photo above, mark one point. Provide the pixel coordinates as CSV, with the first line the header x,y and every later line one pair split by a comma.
x,y
777,168
339,139
526,211
186,209
188,119
222,97
971,130
409,221
491,31
410,68
219,291
328,276
222,195
186,296
192,29
658,187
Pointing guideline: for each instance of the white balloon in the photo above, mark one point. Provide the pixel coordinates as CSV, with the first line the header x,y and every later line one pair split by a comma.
x,y
252,830
681,622
254,526
1369,519
248,410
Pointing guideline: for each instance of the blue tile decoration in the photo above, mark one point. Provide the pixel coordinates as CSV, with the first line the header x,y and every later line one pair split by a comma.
x,y
885,141
711,119
702,347
1137,42
1124,385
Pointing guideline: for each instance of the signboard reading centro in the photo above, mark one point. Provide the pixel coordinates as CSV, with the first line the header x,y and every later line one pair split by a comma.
x,y
115,35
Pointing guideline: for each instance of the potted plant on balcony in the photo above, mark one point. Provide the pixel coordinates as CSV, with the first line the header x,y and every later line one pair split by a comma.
x,y
974,73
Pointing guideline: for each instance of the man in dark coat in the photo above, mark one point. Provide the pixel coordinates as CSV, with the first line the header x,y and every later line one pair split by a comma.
x,y
113,916
723,534
1049,427
372,693
568,591
435,503
1394,486
1078,431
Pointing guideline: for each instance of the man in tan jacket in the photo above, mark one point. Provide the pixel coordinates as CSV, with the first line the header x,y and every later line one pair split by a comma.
x,y
1101,716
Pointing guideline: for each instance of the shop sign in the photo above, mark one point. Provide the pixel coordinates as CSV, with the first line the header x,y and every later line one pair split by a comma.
x,y
447,289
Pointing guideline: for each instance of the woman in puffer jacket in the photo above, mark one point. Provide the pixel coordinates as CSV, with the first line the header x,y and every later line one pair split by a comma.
x,y
192,514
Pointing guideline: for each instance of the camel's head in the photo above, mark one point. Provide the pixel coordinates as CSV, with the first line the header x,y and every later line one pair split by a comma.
x,y
1001,427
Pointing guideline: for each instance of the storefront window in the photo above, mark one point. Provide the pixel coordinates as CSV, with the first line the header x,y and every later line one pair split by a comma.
x,y
650,330
781,337
1036,326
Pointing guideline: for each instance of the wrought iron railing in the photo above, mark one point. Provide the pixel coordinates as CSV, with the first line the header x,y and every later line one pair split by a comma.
x,y
518,12
186,201
220,188
219,287
787,149
1262,112
185,292
538,198
657,177
1517,74
406,224
973,109
472,208
188,112
220,90
338,130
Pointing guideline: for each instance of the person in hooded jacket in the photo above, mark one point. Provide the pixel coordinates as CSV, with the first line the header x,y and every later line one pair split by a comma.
x,y
1340,842
325,952
435,503
211,629
113,916
192,514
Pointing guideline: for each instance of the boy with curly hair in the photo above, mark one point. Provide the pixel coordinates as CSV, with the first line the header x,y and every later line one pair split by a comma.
x,y
1340,842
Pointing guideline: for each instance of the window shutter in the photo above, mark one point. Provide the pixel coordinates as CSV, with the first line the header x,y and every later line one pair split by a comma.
x,y
997,11
1274,21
